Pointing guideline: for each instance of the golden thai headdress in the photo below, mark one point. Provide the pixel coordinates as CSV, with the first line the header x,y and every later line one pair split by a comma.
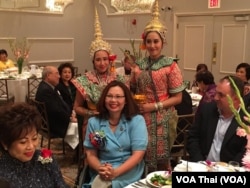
x,y
98,43
155,24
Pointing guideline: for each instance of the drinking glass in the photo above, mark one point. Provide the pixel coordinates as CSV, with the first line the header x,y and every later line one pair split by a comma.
x,y
233,165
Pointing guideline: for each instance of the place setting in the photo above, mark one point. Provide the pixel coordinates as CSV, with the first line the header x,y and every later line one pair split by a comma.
x,y
157,179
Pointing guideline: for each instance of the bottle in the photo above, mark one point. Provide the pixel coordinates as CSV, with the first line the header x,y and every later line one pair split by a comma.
x,y
194,87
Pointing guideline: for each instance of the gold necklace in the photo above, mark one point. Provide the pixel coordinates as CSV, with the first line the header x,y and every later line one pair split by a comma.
x,y
102,83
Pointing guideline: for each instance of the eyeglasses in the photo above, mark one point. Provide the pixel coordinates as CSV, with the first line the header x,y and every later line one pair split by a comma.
x,y
117,97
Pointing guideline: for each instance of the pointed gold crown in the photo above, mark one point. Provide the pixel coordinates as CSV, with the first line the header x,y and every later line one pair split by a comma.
x,y
98,43
155,24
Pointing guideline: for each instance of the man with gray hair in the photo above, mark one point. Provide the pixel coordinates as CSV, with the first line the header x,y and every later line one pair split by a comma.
x,y
57,110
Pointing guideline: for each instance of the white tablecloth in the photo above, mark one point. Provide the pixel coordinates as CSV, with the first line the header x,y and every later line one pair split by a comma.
x,y
18,88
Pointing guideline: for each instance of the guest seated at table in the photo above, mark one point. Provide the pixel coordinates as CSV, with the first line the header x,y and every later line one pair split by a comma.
x,y
117,156
213,134
65,86
58,111
126,65
200,67
243,72
4,61
21,164
207,86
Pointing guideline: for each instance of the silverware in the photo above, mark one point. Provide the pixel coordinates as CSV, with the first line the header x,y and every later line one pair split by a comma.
x,y
136,186
141,184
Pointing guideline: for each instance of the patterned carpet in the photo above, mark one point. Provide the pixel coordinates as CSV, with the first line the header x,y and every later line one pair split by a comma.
x,y
67,161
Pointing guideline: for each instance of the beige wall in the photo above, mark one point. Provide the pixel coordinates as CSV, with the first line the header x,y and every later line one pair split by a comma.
x,y
74,29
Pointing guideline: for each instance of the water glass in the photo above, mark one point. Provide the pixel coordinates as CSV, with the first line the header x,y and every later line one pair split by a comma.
x,y
233,165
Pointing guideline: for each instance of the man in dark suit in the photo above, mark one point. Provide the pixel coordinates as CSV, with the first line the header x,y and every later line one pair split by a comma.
x,y
57,110
213,135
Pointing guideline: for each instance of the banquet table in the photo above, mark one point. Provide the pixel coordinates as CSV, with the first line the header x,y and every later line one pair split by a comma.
x,y
186,166
195,99
18,83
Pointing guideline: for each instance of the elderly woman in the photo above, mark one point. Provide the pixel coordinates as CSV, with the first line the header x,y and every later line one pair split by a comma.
x,y
21,164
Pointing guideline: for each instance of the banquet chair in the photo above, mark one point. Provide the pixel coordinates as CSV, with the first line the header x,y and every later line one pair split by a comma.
x,y
5,96
33,83
178,150
45,129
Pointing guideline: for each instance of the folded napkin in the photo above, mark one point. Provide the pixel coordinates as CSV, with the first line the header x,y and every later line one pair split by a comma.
x,y
72,136
186,166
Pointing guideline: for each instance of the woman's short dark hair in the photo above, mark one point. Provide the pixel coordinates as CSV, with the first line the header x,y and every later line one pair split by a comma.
x,y
204,76
130,109
64,65
16,121
201,67
246,66
3,51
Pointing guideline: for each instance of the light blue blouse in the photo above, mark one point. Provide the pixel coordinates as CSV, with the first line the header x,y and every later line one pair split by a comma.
x,y
129,136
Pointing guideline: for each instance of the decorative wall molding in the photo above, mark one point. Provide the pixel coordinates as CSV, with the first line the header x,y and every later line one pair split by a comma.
x,y
229,44
35,6
214,13
113,11
45,50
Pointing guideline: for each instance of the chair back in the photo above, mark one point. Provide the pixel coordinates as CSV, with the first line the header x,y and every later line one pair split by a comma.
x,y
5,97
45,131
183,125
33,84
45,128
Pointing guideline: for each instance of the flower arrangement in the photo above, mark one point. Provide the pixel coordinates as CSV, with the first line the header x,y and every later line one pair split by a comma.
x,y
98,139
244,129
138,54
46,156
21,50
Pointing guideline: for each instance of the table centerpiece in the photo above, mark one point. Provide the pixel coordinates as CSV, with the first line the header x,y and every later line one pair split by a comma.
x,y
20,49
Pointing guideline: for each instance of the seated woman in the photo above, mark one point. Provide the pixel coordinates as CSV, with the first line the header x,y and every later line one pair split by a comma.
x,y
66,87
4,61
20,163
207,86
243,72
117,154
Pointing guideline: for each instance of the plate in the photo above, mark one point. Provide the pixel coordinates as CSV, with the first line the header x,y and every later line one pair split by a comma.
x,y
195,96
12,69
149,176
186,166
